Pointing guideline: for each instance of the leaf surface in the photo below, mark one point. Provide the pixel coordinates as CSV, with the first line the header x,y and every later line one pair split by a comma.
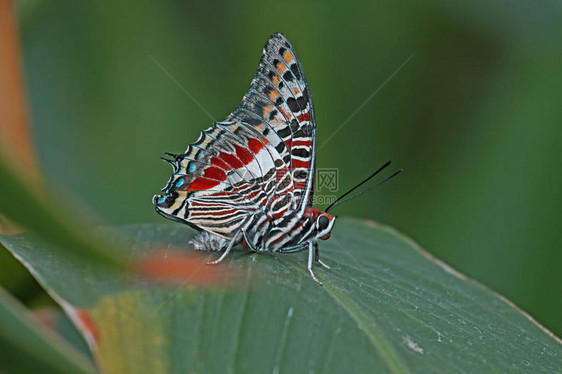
x,y
28,348
386,306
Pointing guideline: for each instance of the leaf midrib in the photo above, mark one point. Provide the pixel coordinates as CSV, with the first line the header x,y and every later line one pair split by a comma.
x,y
365,323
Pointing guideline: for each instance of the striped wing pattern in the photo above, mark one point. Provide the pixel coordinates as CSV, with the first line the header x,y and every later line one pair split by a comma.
x,y
256,166
279,104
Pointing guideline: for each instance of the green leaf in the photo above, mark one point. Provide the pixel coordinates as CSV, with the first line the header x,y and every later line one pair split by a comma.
x,y
25,347
23,205
386,306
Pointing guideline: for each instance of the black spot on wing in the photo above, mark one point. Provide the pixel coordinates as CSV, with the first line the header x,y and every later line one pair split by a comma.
x,y
300,174
293,104
296,71
302,102
300,152
294,125
300,133
284,132
284,183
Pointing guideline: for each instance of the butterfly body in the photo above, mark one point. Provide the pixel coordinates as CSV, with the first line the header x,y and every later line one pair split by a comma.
x,y
290,234
249,178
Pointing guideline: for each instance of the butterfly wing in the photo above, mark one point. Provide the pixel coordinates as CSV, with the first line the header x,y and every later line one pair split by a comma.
x,y
222,180
279,105
258,163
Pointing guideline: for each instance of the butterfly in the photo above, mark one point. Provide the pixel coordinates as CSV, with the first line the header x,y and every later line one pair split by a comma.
x,y
249,179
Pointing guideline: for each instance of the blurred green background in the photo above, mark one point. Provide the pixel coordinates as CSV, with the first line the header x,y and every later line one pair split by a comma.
x,y
474,118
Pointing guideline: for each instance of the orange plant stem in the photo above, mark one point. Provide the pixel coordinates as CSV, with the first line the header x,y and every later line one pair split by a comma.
x,y
15,138
16,149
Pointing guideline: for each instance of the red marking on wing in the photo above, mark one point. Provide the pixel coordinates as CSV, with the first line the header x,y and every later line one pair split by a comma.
x,y
201,184
253,194
289,143
300,185
231,160
220,163
279,238
299,164
248,196
255,145
303,117
310,212
279,214
215,173
244,155
213,213
305,143
284,113
215,194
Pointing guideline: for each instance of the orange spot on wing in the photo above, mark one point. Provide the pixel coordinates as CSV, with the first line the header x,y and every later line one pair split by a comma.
x,y
273,95
276,80
260,127
284,113
267,109
288,57
281,68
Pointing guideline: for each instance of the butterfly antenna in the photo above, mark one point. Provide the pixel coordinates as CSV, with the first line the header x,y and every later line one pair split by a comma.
x,y
359,185
339,201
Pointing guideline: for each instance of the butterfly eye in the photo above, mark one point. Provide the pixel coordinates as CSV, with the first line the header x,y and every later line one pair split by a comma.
x,y
323,223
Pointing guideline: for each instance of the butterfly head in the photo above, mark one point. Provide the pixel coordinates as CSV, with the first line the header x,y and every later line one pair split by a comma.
x,y
324,224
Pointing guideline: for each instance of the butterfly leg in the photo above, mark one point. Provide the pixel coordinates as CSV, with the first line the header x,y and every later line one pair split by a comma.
x,y
310,260
227,250
206,241
317,256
